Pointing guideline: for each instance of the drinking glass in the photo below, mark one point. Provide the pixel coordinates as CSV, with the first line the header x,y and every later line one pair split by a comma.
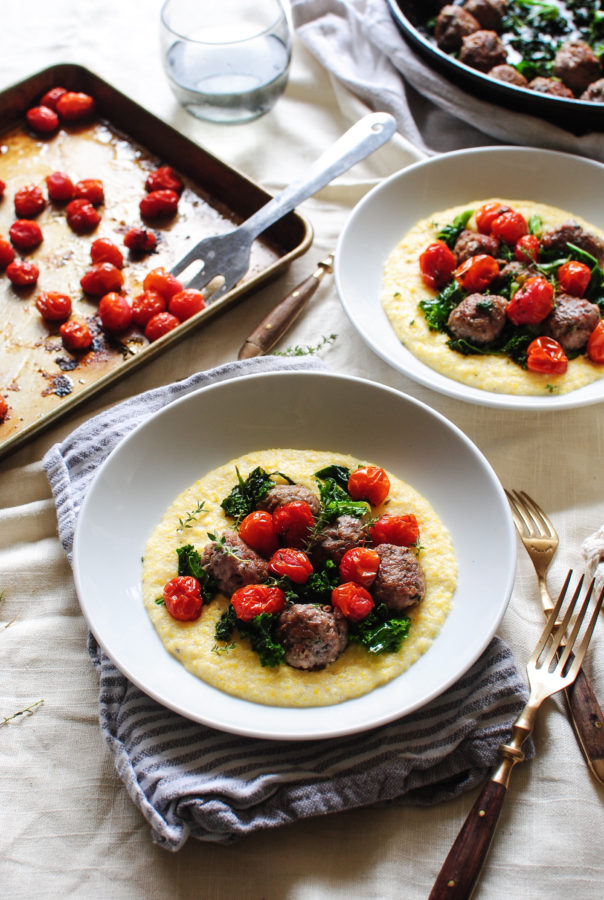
x,y
226,60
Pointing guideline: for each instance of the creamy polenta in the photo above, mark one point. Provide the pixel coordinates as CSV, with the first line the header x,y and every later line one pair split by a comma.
x,y
403,288
235,668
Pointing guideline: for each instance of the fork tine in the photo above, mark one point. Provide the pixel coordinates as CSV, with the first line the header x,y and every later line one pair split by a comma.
x,y
520,522
537,513
579,653
551,620
558,636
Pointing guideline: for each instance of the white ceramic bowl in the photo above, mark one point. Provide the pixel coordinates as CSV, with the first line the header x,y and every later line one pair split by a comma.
x,y
386,213
302,410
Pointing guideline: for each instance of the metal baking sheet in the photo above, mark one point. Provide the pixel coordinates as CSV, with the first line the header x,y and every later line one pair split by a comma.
x,y
123,142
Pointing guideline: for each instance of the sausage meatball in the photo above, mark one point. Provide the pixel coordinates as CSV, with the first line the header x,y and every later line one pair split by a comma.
x,y
482,50
479,318
452,25
512,271
313,636
336,538
471,243
556,239
233,564
488,12
595,92
509,75
400,582
572,321
550,86
577,65
289,493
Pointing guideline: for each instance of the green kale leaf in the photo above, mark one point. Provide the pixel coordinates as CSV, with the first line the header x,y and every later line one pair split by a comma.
x,y
450,233
438,309
247,493
380,631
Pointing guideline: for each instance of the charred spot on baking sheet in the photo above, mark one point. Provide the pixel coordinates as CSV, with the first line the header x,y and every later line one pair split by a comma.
x,y
61,385
67,364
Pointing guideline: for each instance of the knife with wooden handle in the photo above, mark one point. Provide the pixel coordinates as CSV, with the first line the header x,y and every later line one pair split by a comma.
x,y
282,317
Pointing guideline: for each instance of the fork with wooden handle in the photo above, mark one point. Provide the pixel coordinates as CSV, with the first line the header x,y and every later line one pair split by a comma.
x,y
551,667
540,540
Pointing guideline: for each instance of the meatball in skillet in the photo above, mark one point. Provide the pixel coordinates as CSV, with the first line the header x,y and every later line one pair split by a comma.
x,y
453,23
482,50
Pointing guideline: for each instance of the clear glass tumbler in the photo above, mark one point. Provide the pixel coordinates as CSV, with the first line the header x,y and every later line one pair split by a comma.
x,y
226,60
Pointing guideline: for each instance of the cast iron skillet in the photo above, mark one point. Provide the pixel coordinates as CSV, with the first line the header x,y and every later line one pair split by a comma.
x,y
577,116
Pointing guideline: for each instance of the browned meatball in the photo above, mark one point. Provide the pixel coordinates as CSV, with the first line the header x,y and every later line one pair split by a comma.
x,y
452,25
400,582
289,493
572,321
488,12
482,50
479,318
577,65
335,539
233,564
509,75
556,240
471,243
313,636
550,86
595,92
512,271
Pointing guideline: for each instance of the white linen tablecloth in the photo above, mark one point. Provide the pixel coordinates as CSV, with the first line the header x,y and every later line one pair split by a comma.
x,y
67,825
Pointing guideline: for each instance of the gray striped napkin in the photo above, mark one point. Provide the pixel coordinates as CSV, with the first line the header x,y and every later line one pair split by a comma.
x,y
190,780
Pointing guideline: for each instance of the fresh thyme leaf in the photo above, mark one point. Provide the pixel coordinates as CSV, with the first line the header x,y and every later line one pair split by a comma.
x,y
309,349
188,520
160,601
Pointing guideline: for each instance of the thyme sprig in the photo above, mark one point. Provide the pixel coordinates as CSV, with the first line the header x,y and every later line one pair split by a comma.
x,y
26,712
191,517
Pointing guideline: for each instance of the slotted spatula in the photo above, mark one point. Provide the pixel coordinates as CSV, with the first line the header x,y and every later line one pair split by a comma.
x,y
228,255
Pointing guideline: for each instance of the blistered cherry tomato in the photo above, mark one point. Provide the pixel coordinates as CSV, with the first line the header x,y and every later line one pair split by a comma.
x,y
595,344
104,250
532,302
401,529
436,265
159,204
101,278
90,189
60,187
42,119
82,217
353,600
25,235
115,312
257,529
74,105
7,254
29,201
182,597
76,335
477,272
50,97
186,304
3,409
294,564
161,281
22,273
574,277
140,240
509,227
147,305
546,356
293,523
359,564
254,599
159,324
487,214
164,178
53,306
527,248
369,483
2,188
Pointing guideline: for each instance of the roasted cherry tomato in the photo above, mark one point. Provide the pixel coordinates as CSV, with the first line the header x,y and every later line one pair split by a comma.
x,y
186,304
29,202
60,187
159,324
104,250
254,599
532,302
82,217
147,305
360,564
436,265
25,235
164,178
353,600
53,306
101,278
3,409
76,335
50,97
546,356
22,273
74,105
294,564
140,240
595,344
293,523
573,277
159,204
42,119
7,254
2,188
90,189
487,214
182,596
115,312
402,530
369,483
477,272
527,248
509,227
258,531
161,281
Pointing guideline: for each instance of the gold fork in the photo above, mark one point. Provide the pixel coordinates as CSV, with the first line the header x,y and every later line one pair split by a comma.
x,y
550,668
540,539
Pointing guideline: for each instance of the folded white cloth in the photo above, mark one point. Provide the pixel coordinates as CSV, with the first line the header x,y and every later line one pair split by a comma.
x,y
190,780
358,41
593,554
